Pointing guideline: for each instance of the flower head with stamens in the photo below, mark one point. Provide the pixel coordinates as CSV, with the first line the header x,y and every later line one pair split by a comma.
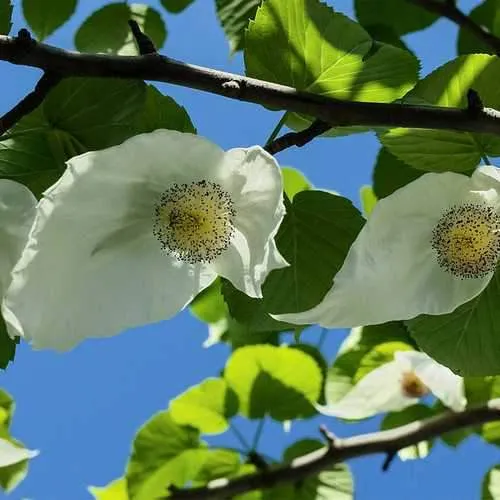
x,y
399,384
130,234
426,249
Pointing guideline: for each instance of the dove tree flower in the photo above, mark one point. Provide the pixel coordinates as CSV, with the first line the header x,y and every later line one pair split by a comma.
x,y
426,249
130,234
17,211
399,384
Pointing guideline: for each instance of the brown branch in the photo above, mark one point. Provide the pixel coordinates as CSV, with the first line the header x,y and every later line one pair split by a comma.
x,y
299,139
46,83
339,450
335,112
449,10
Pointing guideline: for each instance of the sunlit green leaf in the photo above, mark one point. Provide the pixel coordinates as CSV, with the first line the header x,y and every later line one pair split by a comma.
x,y
107,29
206,407
351,66
276,381
43,20
116,490
294,181
368,199
333,483
163,453
441,150
219,463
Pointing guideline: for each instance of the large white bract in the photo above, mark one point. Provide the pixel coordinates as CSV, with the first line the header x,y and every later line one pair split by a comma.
x,y
17,211
399,384
130,234
426,249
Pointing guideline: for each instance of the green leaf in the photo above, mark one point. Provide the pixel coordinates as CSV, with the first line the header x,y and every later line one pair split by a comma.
x,y
466,340
5,16
163,453
406,416
209,306
276,381
12,475
391,173
218,463
250,313
234,16
176,6
238,335
490,489
315,353
79,115
442,150
206,407
368,199
43,20
294,181
7,407
161,111
116,490
487,15
400,15
340,376
7,346
107,29
314,238
351,66
333,483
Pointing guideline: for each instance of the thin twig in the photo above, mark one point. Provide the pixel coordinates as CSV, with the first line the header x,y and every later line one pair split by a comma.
x,y
335,112
299,139
449,10
387,442
144,43
46,83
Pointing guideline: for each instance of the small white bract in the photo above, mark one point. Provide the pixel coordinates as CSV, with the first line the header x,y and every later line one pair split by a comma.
x,y
130,234
17,212
399,384
11,454
426,249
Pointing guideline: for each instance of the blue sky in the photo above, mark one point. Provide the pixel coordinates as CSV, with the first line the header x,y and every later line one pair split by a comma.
x,y
82,409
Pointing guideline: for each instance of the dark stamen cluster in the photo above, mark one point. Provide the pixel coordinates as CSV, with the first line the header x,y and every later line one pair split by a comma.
x,y
194,221
466,240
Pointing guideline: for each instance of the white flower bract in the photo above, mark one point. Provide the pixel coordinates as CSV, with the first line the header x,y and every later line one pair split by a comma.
x,y
397,385
426,249
17,211
130,234
11,454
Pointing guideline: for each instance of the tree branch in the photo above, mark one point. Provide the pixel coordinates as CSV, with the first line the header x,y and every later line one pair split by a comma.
x,y
299,139
449,10
335,112
339,450
46,83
